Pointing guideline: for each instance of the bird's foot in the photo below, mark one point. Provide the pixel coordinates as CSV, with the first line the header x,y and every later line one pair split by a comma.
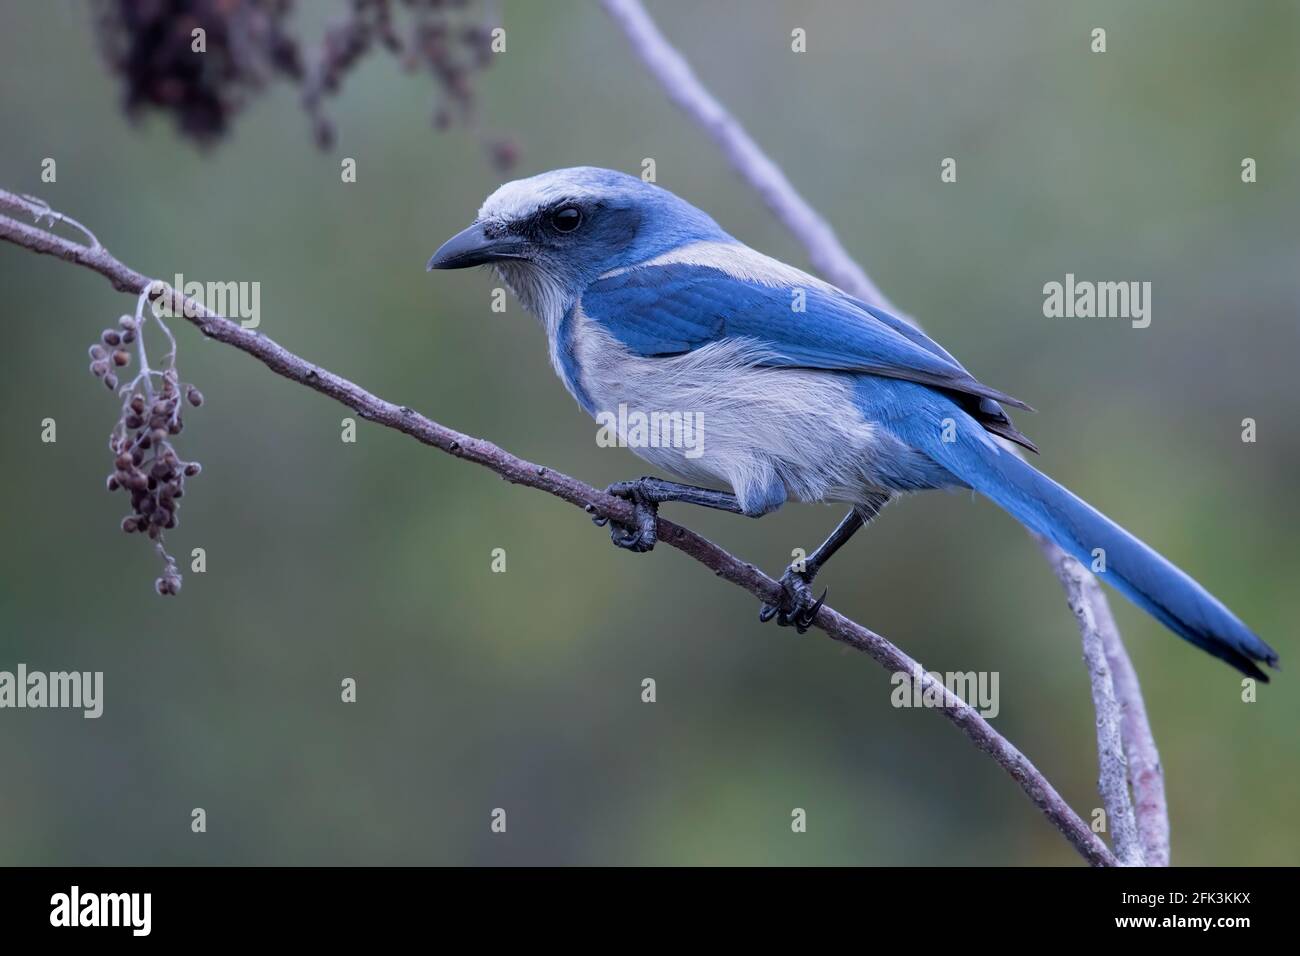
x,y
640,536
797,607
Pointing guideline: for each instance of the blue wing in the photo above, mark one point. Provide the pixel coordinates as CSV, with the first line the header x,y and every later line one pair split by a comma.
x,y
675,308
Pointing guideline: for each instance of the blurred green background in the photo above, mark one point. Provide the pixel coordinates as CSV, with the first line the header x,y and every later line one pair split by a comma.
x,y
521,690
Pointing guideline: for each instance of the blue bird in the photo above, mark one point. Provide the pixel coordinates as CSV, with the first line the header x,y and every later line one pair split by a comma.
x,y
792,388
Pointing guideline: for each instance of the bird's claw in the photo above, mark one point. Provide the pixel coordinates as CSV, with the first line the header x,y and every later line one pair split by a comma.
x,y
642,534
797,608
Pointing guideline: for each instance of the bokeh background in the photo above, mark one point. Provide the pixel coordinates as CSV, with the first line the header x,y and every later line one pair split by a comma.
x,y
521,690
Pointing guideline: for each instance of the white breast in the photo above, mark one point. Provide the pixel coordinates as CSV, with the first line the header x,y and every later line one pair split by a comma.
x,y
800,427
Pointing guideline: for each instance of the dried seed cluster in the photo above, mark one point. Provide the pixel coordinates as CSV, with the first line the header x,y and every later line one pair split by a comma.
x,y
149,43
145,464
110,353
449,39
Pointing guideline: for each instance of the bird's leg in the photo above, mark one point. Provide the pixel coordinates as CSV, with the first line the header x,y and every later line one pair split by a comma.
x,y
798,608
646,495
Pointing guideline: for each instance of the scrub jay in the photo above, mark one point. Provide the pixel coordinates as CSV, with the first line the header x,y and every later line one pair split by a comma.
x,y
800,390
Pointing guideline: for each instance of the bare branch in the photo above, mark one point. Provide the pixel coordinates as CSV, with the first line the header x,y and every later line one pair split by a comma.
x,y
40,211
1113,781
1145,774
521,472
829,257
684,88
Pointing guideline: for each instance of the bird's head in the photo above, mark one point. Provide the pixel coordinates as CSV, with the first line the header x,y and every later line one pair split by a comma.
x,y
549,236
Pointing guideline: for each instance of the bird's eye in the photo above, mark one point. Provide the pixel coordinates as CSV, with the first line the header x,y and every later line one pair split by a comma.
x,y
566,219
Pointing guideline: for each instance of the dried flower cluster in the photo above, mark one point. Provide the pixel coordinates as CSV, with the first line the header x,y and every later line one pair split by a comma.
x,y
145,463
448,38
151,44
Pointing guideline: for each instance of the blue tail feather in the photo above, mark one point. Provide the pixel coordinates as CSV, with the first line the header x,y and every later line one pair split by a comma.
x,y
1137,571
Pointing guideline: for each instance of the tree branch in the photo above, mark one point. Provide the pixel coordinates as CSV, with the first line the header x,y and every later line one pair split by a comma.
x,y
521,472
684,88
1144,771
829,257
1113,781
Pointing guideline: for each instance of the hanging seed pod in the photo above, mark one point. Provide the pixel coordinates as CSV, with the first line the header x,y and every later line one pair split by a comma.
x,y
144,461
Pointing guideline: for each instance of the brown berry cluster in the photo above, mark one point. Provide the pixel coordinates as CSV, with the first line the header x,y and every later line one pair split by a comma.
x,y
145,464
110,352
150,44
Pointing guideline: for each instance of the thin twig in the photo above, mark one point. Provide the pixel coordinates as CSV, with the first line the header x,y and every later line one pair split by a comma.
x,y
40,210
1145,774
521,472
829,257
684,88
1113,780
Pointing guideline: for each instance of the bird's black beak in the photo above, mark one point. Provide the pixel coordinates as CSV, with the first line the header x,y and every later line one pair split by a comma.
x,y
472,247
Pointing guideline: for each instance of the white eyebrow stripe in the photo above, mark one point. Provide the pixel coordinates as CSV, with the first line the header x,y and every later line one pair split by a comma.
x,y
524,197
736,260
